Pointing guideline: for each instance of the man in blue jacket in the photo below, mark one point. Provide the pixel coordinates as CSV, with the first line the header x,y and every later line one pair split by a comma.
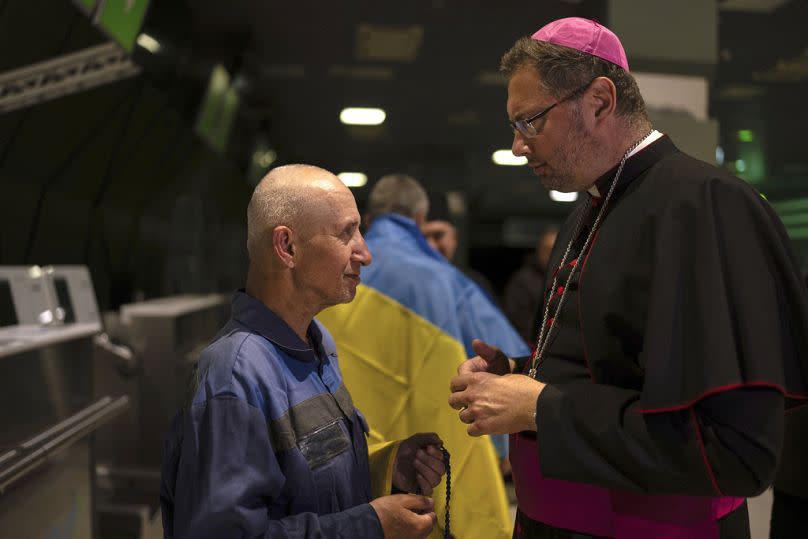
x,y
410,271
271,444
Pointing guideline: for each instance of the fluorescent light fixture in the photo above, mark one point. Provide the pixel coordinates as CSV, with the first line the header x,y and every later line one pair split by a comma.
x,y
362,116
264,158
149,43
353,179
506,158
719,155
558,196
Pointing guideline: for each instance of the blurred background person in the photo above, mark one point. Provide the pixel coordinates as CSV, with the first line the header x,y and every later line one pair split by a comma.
x,y
523,291
442,235
407,269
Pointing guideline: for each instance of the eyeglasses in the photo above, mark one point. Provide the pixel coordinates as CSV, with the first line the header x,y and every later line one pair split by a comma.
x,y
527,126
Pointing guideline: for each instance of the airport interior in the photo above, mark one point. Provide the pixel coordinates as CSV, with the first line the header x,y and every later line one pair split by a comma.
x,y
132,135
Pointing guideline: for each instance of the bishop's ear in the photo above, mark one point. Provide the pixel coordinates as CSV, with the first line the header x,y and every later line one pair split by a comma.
x,y
283,244
603,98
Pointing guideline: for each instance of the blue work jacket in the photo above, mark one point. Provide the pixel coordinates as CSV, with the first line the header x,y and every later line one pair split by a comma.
x,y
409,271
271,444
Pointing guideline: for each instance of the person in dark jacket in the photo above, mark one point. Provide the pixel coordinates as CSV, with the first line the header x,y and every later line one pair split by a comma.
x,y
790,488
524,289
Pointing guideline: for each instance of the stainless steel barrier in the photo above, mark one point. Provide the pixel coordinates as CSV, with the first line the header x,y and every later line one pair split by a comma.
x,y
48,410
165,336
161,340
18,463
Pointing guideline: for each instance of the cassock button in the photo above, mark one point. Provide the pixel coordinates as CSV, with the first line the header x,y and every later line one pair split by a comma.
x,y
560,290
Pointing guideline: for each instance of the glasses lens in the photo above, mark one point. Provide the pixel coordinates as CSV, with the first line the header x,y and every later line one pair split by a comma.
x,y
524,128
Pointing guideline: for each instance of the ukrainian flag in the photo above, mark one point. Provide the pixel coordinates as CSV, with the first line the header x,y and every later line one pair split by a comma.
x,y
397,367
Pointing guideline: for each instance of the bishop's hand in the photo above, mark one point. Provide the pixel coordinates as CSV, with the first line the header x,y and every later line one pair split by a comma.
x,y
491,404
488,359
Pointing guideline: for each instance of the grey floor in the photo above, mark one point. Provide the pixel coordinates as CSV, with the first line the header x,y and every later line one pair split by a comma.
x,y
760,509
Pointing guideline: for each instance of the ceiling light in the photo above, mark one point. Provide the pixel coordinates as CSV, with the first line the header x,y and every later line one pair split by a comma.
x,y
719,155
264,158
353,179
558,196
149,43
506,158
362,116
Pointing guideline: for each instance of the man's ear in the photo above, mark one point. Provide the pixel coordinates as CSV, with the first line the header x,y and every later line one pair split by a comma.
x,y
283,244
420,218
602,98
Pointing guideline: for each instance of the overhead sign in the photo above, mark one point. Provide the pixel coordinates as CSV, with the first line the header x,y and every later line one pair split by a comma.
x,y
87,5
122,19
218,110
64,75
119,19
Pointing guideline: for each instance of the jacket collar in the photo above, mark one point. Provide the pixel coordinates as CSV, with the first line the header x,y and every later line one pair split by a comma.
x,y
258,317
397,226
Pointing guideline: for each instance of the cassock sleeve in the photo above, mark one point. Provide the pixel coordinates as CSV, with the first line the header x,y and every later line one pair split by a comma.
x,y
726,304
722,351
726,444
227,471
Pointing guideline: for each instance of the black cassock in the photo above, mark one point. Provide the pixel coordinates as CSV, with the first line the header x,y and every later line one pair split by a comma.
x,y
683,337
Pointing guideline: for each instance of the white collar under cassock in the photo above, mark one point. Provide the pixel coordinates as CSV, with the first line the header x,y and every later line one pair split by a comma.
x,y
650,139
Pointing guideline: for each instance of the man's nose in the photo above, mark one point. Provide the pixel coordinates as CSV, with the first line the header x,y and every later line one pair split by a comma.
x,y
519,146
362,253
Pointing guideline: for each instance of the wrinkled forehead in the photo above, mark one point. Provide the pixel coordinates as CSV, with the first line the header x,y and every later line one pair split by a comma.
x,y
329,209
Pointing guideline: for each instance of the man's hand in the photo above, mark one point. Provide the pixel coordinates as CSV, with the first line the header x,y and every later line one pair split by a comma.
x,y
488,359
404,516
491,404
419,464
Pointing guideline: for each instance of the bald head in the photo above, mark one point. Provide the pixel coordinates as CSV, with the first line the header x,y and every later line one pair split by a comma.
x,y
291,195
306,249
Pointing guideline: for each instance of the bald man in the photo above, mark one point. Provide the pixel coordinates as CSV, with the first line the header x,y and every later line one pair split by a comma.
x,y
271,444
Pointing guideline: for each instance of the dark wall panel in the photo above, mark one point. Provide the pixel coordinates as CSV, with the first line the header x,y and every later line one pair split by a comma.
x,y
112,177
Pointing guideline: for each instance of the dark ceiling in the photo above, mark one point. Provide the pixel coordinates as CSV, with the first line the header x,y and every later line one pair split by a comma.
x,y
105,176
432,65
